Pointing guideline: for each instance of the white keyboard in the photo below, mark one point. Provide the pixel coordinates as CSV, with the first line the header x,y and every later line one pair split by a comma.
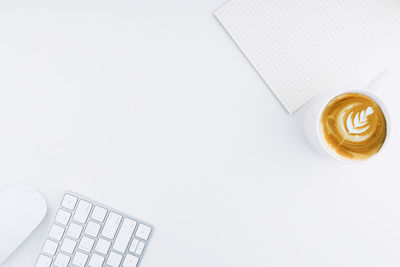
x,y
86,233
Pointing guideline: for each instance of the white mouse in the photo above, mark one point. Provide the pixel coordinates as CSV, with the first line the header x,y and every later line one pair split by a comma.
x,y
22,209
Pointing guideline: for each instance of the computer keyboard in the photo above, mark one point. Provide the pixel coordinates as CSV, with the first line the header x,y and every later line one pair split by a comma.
x,y
86,233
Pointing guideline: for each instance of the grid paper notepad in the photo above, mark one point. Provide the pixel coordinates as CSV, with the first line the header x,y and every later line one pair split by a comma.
x,y
301,47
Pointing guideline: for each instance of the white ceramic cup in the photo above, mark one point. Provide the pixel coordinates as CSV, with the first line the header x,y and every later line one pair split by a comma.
x,y
312,128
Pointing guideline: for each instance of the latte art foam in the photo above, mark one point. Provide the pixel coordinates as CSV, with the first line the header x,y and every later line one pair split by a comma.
x,y
353,126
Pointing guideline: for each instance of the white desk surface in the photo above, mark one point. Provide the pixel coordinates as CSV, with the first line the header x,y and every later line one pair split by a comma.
x,y
149,107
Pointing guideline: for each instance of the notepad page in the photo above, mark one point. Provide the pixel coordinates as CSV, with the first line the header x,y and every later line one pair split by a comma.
x,y
301,47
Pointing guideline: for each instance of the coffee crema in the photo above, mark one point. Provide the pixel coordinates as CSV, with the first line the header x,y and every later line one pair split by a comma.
x,y
353,126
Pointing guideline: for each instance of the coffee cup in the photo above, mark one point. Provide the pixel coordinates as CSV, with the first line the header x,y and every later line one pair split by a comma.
x,y
350,125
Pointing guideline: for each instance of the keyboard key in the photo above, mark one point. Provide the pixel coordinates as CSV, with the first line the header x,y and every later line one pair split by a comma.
x,y
50,247
80,259
124,235
133,246
82,211
74,230
62,217
56,232
130,261
114,259
61,260
143,231
68,245
111,226
96,260
43,261
102,246
99,214
86,244
140,248
69,202
92,229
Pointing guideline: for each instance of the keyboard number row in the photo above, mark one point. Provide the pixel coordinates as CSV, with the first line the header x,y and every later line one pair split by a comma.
x,y
81,214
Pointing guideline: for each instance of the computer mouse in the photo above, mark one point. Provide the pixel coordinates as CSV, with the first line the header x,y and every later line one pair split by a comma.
x,y
22,209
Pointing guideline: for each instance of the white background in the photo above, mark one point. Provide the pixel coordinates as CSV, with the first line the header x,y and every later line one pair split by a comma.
x,y
149,107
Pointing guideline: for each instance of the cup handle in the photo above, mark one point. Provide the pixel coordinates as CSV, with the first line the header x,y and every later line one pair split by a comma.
x,y
380,82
